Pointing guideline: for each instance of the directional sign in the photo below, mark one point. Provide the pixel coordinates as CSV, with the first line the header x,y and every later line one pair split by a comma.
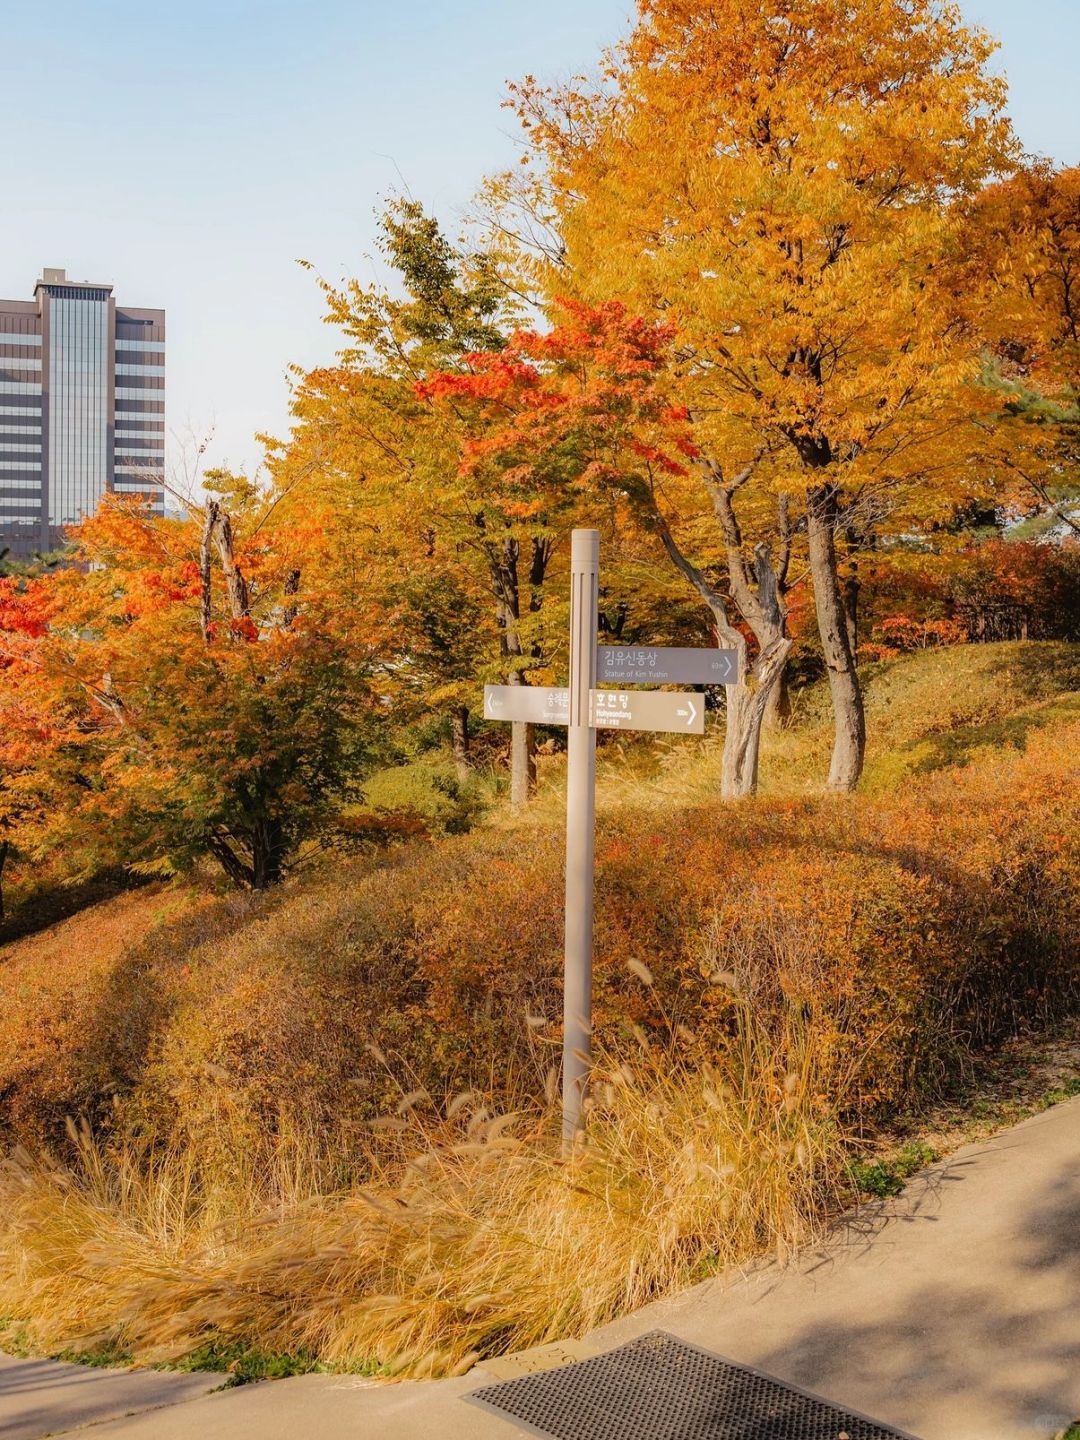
x,y
665,665
607,709
530,703
647,710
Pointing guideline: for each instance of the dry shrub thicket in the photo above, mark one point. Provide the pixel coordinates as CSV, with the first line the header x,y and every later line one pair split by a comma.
x,y
321,1122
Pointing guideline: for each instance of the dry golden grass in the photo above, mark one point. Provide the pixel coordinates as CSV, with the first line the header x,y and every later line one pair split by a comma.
x,y
471,1235
833,956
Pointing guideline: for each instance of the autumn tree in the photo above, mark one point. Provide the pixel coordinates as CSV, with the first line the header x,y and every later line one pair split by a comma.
x,y
368,432
215,700
443,620
786,185
1023,244
31,730
582,408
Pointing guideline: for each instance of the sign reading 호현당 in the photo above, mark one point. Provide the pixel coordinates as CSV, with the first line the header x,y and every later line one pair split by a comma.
x,y
647,710
608,709
533,704
665,665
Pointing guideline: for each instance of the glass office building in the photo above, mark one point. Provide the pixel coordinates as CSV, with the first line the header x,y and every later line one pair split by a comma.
x,y
82,408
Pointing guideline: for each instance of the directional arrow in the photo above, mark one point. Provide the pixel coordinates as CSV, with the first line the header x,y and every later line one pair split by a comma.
x,y
693,713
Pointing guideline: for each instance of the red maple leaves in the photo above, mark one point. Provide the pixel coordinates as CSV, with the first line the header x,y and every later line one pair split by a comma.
x,y
580,404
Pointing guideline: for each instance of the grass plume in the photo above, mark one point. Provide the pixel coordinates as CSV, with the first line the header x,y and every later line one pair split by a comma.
x,y
470,1235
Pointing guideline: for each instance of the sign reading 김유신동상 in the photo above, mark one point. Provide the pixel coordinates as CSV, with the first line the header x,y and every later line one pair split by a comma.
x,y
665,665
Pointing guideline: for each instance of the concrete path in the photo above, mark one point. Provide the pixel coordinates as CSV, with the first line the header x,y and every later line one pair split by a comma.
x,y
953,1313
43,1397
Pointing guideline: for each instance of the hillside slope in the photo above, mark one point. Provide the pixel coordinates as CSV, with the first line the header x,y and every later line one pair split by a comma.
x,y
435,953
317,1121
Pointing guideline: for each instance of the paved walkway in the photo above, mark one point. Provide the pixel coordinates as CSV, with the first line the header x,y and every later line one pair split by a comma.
x,y
43,1397
953,1313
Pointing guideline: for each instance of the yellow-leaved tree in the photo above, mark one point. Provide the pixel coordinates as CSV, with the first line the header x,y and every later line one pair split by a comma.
x,y
463,561
785,185
1024,251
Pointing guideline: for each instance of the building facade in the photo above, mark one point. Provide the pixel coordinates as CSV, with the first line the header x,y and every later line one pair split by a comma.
x,y
82,408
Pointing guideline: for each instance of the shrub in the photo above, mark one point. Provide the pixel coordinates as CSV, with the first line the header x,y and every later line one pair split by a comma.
x,y
911,927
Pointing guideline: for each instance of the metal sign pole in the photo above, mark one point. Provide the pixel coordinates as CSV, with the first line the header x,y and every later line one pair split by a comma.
x,y
582,708
580,830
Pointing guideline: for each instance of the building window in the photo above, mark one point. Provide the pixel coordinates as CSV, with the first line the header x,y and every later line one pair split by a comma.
x,y
78,403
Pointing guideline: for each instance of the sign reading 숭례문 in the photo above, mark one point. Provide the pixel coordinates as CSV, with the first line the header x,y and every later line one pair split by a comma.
x,y
533,704
665,665
647,710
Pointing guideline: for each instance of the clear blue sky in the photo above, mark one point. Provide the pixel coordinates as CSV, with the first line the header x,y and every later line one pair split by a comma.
x,y
192,152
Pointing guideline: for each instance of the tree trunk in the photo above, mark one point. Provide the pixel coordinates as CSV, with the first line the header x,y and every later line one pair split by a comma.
x,y
747,703
522,764
851,613
291,589
849,719
761,605
4,849
778,705
504,574
220,845
235,584
217,529
204,571
459,741
266,852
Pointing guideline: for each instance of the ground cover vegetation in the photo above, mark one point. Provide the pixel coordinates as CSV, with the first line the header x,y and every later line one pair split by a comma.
x,y
776,304
316,1121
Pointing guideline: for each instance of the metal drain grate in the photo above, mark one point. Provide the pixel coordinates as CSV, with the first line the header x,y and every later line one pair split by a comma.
x,y
660,1388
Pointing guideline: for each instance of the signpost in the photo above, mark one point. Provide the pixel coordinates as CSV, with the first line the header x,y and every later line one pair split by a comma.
x,y
584,709
665,665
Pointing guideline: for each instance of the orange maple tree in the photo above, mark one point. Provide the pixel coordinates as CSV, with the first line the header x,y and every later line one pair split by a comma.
x,y
32,730
1023,248
198,692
